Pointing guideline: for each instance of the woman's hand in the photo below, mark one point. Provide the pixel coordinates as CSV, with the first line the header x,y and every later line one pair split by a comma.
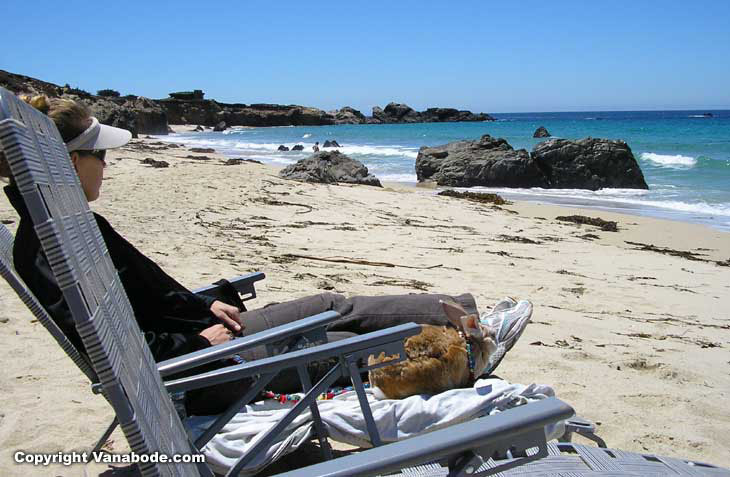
x,y
229,315
217,334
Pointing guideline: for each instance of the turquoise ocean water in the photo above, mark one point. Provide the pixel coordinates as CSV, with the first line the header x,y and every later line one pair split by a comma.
x,y
684,155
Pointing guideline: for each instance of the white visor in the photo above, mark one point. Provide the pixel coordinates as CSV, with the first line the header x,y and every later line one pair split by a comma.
x,y
99,136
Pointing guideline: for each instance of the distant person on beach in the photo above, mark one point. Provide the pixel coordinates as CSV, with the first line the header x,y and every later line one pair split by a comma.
x,y
175,320
315,148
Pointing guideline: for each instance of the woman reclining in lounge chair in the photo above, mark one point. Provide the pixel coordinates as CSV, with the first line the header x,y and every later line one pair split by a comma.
x,y
177,321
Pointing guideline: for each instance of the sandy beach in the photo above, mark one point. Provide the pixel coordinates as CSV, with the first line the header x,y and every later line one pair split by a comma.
x,y
634,339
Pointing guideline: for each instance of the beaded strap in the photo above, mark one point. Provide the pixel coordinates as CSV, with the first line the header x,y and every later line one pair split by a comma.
x,y
330,394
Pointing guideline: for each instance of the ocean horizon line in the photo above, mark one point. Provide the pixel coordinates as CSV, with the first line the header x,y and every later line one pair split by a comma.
x,y
616,111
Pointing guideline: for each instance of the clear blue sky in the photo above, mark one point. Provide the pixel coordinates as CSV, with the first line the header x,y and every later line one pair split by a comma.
x,y
480,55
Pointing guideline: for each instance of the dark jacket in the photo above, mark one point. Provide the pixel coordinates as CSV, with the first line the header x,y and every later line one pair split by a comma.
x,y
170,315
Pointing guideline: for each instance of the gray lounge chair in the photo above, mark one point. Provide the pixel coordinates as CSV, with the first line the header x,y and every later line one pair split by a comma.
x,y
132,381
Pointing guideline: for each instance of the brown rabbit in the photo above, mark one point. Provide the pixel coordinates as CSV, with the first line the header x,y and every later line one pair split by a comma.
x,y
437,357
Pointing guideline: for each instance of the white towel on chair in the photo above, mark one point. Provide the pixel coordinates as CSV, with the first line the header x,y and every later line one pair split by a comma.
x,y
396,419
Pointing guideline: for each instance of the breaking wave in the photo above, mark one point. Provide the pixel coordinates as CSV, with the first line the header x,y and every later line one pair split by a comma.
x,y
669,160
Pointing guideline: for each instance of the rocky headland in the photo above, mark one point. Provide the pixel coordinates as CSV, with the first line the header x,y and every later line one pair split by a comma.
x,y
137,114
395,113
153,116
555,164
210,113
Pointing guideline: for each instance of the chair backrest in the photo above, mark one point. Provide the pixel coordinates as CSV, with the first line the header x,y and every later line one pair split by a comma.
x,y
101,310
8,272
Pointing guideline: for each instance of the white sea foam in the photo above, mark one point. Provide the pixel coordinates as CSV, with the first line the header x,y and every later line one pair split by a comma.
x,y
237,130
379,151
306,136
277,160
667,160
396,177
254,146
193,141
354,150
704,208
613,198
578,193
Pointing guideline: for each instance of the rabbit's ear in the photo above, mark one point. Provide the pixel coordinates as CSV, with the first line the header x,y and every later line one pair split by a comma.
x,y
454,312
470,326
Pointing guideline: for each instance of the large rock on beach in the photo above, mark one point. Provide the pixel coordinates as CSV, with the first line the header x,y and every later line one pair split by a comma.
x,y
487,162
557,164
541,132
589,163
330,167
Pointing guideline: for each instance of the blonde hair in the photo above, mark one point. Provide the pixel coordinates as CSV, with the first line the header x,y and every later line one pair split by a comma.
x,y
71,119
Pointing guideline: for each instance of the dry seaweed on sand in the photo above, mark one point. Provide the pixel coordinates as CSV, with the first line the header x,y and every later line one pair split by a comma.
x,y
362,262
238,160
517,238
154,163
502,253
267,201
605,225
668,251
405,283
484,198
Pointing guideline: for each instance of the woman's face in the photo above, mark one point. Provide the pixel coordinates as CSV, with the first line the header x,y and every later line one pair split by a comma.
x,y
90,169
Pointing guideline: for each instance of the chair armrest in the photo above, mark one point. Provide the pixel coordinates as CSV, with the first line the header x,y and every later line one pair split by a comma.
x,y
244,285
273,335
360,346
513,430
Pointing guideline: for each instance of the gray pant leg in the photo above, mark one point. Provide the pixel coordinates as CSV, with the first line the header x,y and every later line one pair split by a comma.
x,y
372,313
277,314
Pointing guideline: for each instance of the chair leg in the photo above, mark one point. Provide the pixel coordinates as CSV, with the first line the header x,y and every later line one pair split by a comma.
x,y
106,435
269,436
316,418
364,404
582,427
